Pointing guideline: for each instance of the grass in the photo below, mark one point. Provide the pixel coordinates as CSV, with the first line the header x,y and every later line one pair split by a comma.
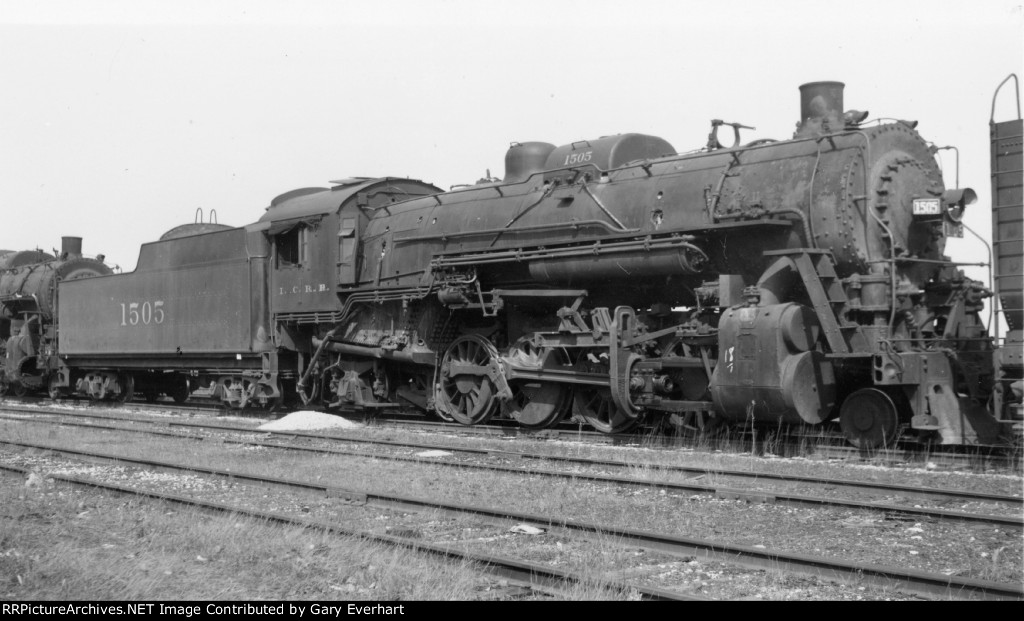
x,y
60,543
57,543
993,568
646,463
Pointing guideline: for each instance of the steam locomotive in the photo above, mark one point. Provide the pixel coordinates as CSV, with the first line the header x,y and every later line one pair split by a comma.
x,y
614,280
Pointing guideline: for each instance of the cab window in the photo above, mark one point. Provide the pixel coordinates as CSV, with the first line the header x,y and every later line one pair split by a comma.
x,y
292,247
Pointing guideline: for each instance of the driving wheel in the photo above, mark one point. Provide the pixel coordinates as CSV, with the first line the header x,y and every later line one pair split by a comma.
x,y
537,404
467,386
595,405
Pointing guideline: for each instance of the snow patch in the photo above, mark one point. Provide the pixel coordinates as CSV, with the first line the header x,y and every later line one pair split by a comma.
x,y
306,419
433,454
526,529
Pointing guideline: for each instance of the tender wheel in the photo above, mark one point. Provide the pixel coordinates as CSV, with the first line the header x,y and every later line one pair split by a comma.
x,y
869,419
19,389
242,392
54,390
180,391
537,405
127,389
466,389
263,400
595,405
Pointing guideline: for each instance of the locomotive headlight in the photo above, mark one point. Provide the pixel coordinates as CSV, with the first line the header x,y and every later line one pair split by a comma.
x,y
957,200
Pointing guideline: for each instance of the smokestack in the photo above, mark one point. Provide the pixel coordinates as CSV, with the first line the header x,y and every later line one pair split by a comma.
x,y
821,107
71,246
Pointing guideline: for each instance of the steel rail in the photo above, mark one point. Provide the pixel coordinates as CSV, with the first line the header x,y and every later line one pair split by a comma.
x,y
499,428
917,492
526,572
756,496
829,451
914,581
155,432
514,430
718,491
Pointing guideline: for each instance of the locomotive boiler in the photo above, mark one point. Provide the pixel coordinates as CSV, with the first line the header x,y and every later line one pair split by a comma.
x,y
28,309
613,280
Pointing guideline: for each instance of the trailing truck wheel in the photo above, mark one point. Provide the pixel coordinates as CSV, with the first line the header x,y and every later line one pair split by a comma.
x,y
466,389
869,419
596,406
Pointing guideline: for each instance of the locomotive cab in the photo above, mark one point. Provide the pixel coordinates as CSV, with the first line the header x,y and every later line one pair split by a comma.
x,y
315,235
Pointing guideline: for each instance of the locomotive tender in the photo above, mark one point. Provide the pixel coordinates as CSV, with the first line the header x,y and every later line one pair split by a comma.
x,y
794,281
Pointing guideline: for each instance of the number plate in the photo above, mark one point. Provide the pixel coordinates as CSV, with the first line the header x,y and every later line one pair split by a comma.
x,y
927,207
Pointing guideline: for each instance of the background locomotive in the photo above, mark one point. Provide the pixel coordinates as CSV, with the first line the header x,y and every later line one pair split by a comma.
x,y
779,281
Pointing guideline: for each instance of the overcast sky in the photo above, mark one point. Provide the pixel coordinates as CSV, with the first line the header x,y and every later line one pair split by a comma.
x,y
119,119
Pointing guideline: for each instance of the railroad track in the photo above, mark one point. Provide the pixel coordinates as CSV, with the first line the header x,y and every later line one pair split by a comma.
x,y
906,490
703,471
821,444
818,445
546,579
917,582
719,491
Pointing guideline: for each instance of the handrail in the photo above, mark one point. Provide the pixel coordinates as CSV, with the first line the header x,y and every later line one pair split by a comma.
x,y
1016,83
570,224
